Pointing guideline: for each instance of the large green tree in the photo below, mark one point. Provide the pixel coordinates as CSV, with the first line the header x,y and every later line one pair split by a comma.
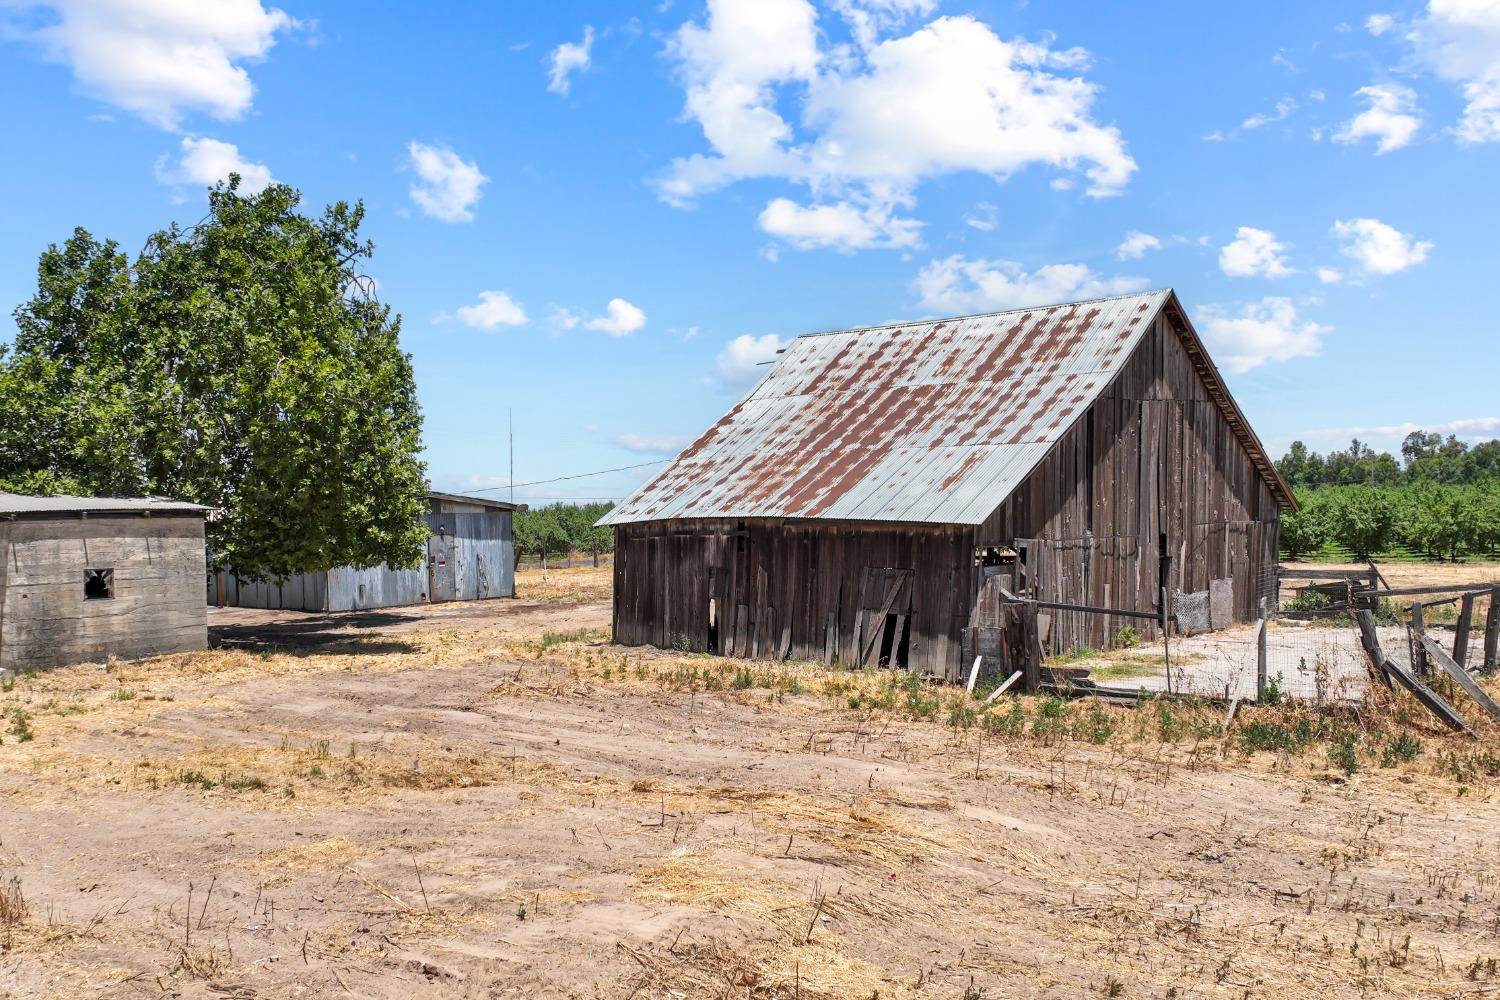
x,y
242,363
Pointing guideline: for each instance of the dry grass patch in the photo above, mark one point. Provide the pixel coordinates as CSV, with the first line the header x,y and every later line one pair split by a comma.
x,y
576,585
688,877
326,855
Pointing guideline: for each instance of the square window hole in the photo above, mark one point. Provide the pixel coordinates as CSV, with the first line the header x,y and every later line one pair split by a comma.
x,y
98,584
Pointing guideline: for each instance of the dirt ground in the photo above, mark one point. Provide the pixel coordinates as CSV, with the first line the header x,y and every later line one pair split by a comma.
x,y
490,801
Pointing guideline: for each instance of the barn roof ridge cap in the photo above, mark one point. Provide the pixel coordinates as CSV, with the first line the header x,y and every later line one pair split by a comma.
x,y
1165,290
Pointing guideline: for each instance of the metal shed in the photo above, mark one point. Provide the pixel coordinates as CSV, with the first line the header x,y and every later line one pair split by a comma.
x,y
869,469
470,556
86,578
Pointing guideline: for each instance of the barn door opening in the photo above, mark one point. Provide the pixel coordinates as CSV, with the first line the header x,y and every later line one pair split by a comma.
x,y
717,591
882,631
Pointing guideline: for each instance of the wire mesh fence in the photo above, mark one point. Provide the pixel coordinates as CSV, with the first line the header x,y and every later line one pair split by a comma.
x,y
1314,663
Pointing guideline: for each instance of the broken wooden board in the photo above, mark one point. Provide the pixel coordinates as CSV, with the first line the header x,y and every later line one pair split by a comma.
x,y
1429,698
1436,654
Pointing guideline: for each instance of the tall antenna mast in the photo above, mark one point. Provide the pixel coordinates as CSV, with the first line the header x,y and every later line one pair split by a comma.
x,y
511,478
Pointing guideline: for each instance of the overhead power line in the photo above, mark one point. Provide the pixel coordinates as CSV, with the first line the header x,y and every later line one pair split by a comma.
x,y
581,475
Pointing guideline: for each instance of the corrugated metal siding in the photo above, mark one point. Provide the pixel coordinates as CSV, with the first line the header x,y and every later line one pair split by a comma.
x,y
931,422
351,589
483,553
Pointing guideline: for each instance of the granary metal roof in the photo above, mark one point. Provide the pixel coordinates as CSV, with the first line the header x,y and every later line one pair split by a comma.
x,y
933,422
12,504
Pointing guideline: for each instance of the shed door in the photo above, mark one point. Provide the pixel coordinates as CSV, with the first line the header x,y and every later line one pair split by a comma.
x,y
442,573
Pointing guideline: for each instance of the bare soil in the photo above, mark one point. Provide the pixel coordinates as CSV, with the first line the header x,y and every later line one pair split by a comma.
x,y
490,801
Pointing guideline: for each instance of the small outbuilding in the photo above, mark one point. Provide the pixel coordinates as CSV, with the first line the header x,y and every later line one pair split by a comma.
x,y
87,578
470,556
879,488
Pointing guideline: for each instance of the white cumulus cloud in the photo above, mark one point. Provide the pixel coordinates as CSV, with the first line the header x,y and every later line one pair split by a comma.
x,y
878,120
1459,40
1330,275
492,311
567,59
743,359
1391,117
1260,332
1379,24
621,319
1135,245
1379,248
868,19
446,186
959,284
1284,108
842,226
205,162
159,59
1254,252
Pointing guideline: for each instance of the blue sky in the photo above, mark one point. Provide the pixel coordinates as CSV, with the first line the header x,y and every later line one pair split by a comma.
x,y
600,215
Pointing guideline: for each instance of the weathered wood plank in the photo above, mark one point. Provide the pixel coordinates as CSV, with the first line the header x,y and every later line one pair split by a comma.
x,y
1471,687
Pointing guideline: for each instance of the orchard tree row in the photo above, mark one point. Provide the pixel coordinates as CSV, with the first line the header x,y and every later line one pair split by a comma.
x,y
1435,520
1441,499
560,528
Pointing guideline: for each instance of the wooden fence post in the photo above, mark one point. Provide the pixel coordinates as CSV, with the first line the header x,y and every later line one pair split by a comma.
x,y
1492,629
1371,642
1260,656
1418,629
1461,637
1032,636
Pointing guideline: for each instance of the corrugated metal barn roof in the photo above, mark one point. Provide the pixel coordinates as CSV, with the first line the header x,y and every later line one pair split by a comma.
x,y
932,422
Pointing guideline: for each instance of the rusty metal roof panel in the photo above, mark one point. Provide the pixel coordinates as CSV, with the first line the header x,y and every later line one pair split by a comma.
x,y
932,422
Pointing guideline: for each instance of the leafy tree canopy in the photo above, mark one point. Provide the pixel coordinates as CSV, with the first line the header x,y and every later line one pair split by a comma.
x,y
240,363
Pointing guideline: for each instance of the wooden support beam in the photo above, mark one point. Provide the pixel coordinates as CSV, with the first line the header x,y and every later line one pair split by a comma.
x,y
1460,588
1321,574
1087,609
1471,687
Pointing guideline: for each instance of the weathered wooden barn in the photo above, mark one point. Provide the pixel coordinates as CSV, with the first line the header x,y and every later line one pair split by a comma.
x,y
86,578
470,556
851,506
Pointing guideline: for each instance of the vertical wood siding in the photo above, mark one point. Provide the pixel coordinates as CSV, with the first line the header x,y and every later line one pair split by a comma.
x,y
775,583
1154,455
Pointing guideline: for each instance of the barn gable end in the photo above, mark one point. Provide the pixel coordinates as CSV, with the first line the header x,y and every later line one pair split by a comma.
x,y
1155,458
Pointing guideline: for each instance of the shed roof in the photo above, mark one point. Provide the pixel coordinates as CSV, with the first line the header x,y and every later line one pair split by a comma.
x,y
479,501
12,504
929,422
